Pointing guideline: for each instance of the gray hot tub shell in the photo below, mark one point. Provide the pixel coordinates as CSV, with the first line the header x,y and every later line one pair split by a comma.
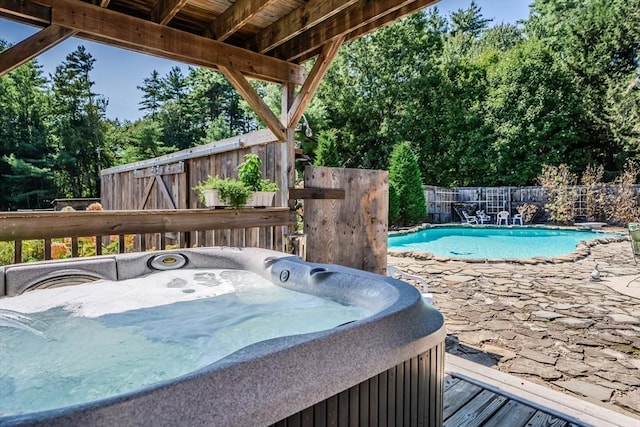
x,y
385,369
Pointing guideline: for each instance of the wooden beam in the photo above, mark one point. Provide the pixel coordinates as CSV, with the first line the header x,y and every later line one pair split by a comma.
x,y
316,193
137,34
38,43
359,14
296,22
165,10
389,18
253,99
234,18
313,81
18,54
26,10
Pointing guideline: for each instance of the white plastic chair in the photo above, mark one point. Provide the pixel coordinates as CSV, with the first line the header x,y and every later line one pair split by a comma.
x,y
517,217
502,216
470,218
483,217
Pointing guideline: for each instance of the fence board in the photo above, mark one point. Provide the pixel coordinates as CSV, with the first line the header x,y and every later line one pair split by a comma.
x,y
353,231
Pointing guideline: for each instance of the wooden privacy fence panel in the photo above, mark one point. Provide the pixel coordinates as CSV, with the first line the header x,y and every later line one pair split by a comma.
x,y
350,232
167,182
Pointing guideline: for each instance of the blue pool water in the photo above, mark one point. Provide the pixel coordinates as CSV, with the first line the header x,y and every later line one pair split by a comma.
x,y
493,242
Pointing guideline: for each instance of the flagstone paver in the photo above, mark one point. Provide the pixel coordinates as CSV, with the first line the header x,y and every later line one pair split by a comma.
x,y
546,321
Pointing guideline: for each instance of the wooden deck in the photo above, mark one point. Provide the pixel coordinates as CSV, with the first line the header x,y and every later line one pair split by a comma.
x,y
475,395
467,404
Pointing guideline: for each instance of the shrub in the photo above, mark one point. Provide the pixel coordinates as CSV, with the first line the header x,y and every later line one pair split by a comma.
x,y
558,183
528,211
595,193
622,201
327,151
404,174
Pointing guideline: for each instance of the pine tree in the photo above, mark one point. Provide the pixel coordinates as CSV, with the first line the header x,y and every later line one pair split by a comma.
x,y
78,129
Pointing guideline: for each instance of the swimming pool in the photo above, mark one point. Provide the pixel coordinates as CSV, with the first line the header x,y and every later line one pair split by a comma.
x,y
494,242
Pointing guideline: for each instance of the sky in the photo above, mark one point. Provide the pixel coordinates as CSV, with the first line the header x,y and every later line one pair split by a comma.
x,y
118,72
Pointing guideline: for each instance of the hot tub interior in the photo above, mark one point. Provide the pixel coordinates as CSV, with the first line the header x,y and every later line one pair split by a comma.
x,y
146,326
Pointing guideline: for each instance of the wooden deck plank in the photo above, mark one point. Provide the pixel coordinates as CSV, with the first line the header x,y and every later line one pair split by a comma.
x,y
542,419
559,405
458,396
477,410
513,414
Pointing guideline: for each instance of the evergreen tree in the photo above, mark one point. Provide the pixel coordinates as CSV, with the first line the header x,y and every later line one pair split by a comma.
x,y
327,152
25,157
404,175
78,127
152,94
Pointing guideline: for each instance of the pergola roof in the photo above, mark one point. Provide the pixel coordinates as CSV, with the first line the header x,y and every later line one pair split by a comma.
x,y
245,34
262,39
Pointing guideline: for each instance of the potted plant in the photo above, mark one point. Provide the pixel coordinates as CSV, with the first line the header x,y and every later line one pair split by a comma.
x,y
216,191
250,173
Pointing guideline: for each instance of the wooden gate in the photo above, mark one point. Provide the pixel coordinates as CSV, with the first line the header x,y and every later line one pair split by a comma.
x,y
350,232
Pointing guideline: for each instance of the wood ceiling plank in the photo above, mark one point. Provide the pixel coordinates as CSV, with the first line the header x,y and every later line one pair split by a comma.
x,y
359,14
165,10
297,22
253,99
29,48
234,18
318,71
144,36
27,10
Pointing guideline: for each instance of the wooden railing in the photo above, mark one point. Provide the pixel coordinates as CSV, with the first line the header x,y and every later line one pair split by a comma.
x,y
150,229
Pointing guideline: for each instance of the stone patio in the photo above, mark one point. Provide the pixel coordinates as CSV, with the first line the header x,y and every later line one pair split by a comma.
x,y
546,321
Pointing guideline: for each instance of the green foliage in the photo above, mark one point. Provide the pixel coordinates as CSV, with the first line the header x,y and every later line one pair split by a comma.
x,y
250,174
78,128
327,152
536,114
404,175
232,192
394,203
250,171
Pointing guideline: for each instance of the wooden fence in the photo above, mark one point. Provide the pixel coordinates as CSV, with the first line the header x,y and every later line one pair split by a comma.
x,y
166,183
100,229
353,231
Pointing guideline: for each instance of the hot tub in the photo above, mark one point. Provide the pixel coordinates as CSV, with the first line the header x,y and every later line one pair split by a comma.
x,y
387,368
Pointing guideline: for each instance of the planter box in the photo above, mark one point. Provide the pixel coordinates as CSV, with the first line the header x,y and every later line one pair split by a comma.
x,y
256,199
212,199
261,199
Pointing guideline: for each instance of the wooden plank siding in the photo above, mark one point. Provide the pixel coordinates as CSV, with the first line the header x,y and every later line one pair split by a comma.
x,y
350,232
167,183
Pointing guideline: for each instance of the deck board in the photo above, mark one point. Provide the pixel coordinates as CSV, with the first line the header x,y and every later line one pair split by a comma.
x,y
469,405
478,410
513,414
527,403
457,396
